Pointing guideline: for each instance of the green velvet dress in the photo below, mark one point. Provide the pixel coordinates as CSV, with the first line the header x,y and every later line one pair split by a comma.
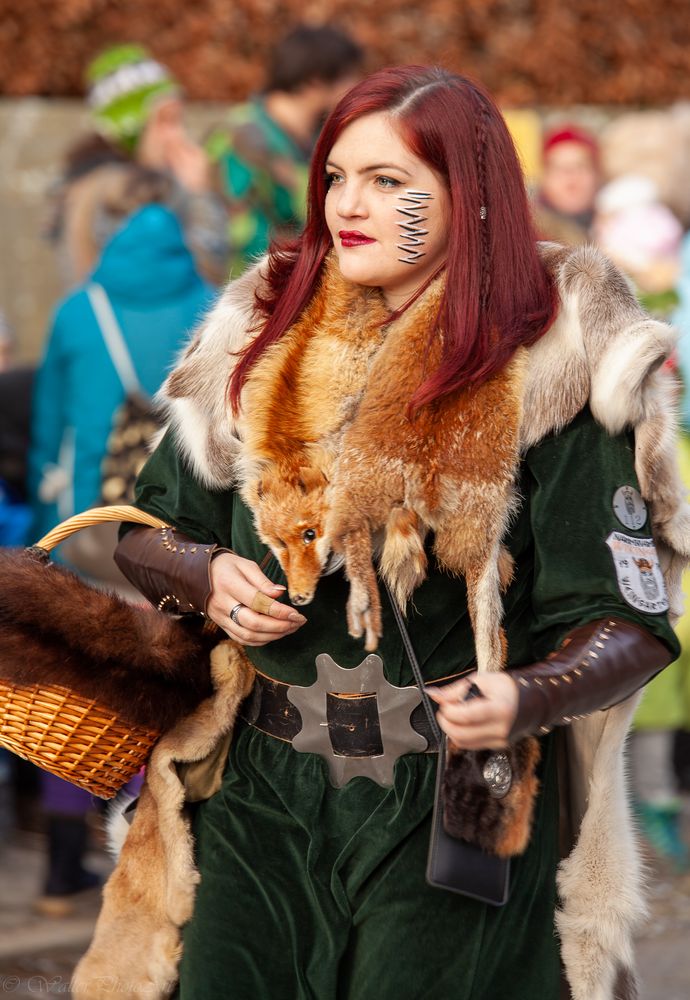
x,y
309,892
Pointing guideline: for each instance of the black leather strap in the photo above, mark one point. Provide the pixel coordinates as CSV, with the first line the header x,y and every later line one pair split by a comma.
x,y
427,704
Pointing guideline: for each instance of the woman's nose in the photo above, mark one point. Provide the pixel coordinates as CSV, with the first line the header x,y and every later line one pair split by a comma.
x,y
350,202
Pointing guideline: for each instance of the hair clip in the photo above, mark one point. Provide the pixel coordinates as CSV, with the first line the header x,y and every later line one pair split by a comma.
x,y
482,212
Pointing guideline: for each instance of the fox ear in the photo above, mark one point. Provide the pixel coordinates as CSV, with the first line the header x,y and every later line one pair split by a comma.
x,y
311,478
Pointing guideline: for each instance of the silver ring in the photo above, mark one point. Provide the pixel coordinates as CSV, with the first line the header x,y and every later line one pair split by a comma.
x,y
235,612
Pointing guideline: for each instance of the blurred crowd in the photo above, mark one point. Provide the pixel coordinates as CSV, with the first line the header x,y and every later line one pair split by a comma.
x,y
148,223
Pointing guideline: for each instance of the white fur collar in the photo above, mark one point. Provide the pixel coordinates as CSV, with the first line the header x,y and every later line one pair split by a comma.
x,y
603,348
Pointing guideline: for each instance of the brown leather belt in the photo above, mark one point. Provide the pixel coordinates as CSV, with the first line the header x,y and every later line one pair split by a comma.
x,y
353,722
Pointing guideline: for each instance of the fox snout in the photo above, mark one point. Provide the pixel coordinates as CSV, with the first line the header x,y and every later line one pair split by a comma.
x,y
301,599
303,575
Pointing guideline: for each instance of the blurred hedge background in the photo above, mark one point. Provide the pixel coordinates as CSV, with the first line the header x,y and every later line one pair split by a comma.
x,y
547,52
589,60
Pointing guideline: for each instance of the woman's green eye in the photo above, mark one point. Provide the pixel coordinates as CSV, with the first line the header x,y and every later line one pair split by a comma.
x,y
387,182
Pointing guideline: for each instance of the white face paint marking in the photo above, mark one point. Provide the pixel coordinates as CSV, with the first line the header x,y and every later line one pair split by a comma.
x,y
411,226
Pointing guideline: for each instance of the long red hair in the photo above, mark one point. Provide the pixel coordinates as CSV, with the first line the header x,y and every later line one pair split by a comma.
x,y
498,294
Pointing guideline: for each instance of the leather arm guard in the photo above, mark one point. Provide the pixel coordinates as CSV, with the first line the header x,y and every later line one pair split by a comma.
x,y
171,571
597,665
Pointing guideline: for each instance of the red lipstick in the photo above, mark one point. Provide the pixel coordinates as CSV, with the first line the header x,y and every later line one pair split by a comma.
x,y
353,238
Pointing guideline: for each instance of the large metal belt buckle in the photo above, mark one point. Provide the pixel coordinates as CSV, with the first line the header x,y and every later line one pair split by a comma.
x,y
394,705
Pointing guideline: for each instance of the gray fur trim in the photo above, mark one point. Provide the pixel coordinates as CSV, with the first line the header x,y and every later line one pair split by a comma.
x,y
194,395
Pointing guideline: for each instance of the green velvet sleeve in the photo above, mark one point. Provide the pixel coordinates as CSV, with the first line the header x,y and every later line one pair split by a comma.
x,y
167,488
593,554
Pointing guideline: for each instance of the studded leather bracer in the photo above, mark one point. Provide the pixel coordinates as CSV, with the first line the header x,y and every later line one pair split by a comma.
x,y
169,569
596,666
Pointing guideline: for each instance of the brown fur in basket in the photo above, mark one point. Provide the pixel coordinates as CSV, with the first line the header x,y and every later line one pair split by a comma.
x,y
148,668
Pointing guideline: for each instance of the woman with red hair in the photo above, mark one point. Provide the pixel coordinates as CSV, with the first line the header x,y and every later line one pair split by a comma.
x,y
413,394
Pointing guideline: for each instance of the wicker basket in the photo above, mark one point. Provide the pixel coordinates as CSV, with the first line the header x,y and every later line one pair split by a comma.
x,y
76,738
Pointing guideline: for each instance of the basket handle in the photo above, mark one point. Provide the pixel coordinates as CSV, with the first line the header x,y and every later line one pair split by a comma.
x,y
97,515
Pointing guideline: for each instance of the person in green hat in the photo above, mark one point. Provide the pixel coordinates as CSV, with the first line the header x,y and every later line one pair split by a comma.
x,y
137,111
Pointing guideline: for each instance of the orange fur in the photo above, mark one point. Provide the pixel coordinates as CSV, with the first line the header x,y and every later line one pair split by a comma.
x,y
307,386
520,806
329,448
289,513
451,469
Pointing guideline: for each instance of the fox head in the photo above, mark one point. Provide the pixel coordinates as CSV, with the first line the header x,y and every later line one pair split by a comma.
x,y
290,517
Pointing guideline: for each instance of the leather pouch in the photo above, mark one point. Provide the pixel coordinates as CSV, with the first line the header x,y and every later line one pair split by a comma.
x,y
459,866
454,863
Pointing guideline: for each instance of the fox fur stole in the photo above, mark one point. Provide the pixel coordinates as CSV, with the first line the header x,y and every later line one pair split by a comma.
x,y
332,461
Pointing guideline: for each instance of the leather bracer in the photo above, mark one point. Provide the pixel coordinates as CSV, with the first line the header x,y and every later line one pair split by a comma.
x,y
168,568
596,666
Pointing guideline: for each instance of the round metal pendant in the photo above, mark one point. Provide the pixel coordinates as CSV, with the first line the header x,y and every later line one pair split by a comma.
x,y
498,774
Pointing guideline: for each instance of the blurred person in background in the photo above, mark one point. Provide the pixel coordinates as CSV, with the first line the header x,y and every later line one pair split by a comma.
x,y
564,204
643,236
262,148
15,408
7,345
137,113
681,318
156,295
15,415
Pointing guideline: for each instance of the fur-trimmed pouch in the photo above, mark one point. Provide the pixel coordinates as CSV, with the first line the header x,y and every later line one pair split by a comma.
x,y
489,796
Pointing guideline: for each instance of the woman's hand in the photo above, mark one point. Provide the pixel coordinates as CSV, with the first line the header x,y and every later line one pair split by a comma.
x,y
234,581
481,723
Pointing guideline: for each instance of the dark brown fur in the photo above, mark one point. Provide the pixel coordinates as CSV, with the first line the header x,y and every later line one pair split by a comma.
x,y
498,826
147,667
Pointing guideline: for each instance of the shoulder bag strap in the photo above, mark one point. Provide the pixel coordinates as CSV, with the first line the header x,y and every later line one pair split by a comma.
x,y
453,864
414,663
114,340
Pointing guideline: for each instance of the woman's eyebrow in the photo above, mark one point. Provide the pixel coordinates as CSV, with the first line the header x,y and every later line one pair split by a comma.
x,y
374,166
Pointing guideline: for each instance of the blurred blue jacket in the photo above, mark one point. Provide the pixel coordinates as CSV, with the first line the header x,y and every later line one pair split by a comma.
x,y
158,297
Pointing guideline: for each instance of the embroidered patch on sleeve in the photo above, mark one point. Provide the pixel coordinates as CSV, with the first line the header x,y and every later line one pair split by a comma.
x,y
629,507
638,572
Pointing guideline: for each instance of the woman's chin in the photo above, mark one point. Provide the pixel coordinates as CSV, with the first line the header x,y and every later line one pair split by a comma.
x,y
357,271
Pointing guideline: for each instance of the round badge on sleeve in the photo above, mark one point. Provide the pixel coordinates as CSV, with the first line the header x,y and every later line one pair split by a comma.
x,y
629,507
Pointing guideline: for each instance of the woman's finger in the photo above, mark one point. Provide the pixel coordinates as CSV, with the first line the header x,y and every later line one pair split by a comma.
x,y
249,637
456,691
252,621
482,738
477,712
249,582
258,579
